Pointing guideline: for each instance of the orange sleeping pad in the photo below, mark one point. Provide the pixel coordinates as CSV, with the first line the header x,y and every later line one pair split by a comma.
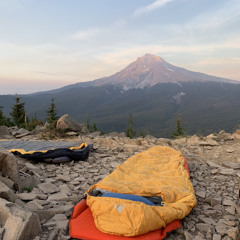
x,y
82,226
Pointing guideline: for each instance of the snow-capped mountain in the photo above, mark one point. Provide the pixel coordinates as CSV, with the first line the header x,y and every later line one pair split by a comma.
x,y
150,70
153,91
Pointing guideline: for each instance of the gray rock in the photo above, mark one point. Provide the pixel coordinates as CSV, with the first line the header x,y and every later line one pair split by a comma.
x,y
230,210
33,206
202,227
48,188
66,122
71,134
44,215
221,229
13,130
53,235
58,197
228,202
7,193
20,203
95,134
232,165
234,233
213,201
198,238
188,236
64,178
26,196
59,217
227,171
60,224
38,130
7,181
113,134
9,166
37,238
201,194
229,150
32,167
26,224
21,133
4,133
1,233
63,225
28,182
209,142
208,221
217,237
213,164
80,179
65,189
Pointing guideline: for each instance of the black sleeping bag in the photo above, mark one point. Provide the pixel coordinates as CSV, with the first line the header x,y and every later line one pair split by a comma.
x,y
57,155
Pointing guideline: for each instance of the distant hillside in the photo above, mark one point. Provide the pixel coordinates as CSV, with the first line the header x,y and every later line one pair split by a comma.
x,y
154,92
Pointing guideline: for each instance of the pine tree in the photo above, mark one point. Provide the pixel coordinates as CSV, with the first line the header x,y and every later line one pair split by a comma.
x,y
88,124
129,132
91,128
52,115
18,113
180,130
2,118
95,129
4,121
34,122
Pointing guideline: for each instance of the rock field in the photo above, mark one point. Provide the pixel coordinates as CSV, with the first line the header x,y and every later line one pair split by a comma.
x,y
47,192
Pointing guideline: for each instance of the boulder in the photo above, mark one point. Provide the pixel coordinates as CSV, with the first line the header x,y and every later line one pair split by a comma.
x,y
48,188
28,182
13,130
4,133
38,130
84,129
7,181
7,193
237,131
66,122
18,224
9,166
21,133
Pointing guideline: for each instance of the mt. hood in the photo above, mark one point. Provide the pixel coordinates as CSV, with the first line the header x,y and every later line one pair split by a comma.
x,y
153,91
150,70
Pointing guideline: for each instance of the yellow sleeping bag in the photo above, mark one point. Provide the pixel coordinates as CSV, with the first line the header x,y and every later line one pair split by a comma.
x,y
157,172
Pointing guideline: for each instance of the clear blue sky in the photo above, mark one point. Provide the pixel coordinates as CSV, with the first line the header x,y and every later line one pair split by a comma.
x,y
46,44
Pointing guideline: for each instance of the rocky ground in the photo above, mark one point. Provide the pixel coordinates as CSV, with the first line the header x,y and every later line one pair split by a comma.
x,y
214,164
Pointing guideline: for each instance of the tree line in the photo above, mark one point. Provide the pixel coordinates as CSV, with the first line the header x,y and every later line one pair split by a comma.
x,y
18,116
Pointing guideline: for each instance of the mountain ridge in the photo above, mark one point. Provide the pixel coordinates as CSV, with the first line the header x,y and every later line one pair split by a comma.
x,y
150,70
206,105
147,71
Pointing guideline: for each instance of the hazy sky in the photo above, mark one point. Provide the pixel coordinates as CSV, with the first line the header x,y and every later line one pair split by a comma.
x,y
46,44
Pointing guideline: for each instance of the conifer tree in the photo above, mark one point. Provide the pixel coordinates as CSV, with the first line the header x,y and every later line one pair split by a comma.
x,y
4,121
180,130
34,122
52,115
91,128
95,129
130,132
18,113
88,124
2,118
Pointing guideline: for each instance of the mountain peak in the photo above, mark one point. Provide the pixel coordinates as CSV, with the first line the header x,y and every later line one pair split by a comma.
x,y
150,70
148,58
